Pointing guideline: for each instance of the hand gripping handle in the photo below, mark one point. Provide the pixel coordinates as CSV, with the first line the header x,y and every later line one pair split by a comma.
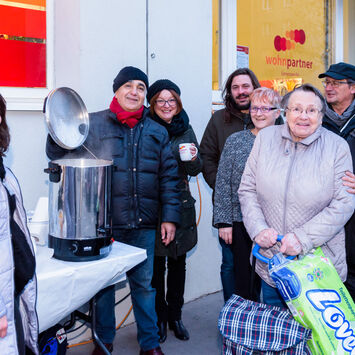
x,y
256,252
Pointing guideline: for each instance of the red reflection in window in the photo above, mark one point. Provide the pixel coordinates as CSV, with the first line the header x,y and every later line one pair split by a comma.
x,y
23,43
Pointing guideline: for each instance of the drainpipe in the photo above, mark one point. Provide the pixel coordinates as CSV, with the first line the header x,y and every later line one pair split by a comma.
x,y
327,35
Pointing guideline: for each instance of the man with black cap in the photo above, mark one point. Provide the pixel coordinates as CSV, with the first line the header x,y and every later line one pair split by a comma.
x,y
144,179
339,84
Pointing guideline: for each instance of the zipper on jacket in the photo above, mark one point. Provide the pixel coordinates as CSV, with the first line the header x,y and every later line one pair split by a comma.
x,y
286,188
133,176
346,125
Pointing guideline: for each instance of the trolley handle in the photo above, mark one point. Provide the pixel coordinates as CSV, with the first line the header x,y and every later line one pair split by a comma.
x,y
256,252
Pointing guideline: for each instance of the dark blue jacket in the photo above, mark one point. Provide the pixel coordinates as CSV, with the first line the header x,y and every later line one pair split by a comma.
x,y
145,174
350,226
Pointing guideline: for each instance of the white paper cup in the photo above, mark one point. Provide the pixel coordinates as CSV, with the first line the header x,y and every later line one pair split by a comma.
x,y
185,153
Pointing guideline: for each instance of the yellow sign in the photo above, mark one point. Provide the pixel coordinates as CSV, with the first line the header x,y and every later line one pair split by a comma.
x,y
286,40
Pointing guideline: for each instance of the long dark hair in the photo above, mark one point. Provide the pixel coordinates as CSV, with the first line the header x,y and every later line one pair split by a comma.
x,y
227,92
4,129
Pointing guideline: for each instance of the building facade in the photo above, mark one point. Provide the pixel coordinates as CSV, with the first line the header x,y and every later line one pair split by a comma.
x,y
194,43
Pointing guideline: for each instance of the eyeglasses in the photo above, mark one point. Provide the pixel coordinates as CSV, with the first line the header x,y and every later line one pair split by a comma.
x,y
310,111
170,102
334,83
263,109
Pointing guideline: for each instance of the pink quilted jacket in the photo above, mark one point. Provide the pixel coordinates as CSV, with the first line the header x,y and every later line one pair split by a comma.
x,y
297,187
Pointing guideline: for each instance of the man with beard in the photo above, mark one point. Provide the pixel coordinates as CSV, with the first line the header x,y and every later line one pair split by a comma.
x,y
233,118
339,117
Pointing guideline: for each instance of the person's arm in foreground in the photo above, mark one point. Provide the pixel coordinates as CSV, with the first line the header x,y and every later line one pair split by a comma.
x,y
3,318
169,193
323,226
194,167
349,181
253,216
222,207
210,154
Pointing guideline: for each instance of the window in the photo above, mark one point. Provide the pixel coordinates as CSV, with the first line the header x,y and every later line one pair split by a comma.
x,y
215,44
26,48
224,50
286,42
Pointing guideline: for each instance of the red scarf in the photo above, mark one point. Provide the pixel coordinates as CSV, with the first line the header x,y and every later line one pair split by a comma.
x,y
129,118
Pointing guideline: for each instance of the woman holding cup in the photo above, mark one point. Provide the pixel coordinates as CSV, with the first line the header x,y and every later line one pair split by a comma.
x,y
166,109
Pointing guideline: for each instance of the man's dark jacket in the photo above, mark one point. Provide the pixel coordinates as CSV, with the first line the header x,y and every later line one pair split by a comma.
x,y
350,226
144,174
214,138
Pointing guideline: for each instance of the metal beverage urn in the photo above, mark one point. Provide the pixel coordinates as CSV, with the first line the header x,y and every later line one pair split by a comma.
x,y
79,189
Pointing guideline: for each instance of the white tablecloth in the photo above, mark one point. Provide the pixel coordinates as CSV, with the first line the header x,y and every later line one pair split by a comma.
x,y
65,286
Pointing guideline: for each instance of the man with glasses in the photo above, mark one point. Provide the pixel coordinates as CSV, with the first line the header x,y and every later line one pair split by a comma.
x,y
339,86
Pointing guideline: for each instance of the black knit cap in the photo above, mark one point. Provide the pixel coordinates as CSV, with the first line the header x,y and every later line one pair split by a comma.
x,y
160,85
127,74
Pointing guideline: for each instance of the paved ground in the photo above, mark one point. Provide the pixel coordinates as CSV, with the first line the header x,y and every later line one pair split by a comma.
x,y
200,318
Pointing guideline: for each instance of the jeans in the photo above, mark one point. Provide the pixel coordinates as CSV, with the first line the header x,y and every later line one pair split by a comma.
x,y
271,295
142,294
227,270
168,304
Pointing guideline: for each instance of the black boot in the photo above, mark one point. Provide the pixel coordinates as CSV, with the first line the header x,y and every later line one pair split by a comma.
x,y
162,331
179,329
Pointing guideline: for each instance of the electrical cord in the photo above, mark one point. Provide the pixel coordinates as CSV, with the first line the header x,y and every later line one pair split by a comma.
x,y
91,340
122,299
200,198
118,327
75,329
125,297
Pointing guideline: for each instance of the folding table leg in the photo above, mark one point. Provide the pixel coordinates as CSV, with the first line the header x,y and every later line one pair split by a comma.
x,y
93,327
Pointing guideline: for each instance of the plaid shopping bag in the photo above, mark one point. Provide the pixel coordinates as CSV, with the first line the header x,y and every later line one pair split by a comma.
x,y
254,328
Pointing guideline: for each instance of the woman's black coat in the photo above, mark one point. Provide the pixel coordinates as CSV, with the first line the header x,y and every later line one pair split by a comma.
x,y
186,233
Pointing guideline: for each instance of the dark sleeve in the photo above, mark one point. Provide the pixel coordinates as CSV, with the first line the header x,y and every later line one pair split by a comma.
x,y
168,184
92,142
210,154
193,168
279,121
53,150
222,225
223,201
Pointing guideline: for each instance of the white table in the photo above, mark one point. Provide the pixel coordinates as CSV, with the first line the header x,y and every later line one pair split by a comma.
x,y
65,286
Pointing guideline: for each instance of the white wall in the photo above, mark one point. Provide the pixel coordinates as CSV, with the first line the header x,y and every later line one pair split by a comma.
x,y
26,155
93,41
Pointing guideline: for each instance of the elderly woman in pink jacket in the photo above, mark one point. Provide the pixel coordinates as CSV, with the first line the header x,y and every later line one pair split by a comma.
x,y
292,185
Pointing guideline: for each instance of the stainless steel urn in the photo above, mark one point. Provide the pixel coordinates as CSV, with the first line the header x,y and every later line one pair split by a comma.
x,y
79,189
79,208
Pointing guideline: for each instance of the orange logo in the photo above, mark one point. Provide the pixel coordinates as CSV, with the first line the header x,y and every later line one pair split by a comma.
x,y
289,41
